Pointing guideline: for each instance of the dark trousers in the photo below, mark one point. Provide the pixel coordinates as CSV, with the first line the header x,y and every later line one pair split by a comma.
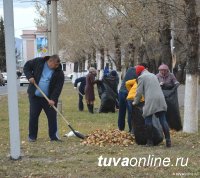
x,y
80,103
123,105
162,118
130,115
36,106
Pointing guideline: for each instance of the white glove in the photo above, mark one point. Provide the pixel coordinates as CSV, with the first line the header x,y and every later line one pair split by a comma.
x,y
75,88
161,83
133,103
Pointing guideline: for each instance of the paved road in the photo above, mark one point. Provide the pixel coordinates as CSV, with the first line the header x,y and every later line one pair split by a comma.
x,y
3,89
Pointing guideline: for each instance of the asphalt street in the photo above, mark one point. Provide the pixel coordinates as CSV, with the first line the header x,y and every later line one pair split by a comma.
x,y
3,89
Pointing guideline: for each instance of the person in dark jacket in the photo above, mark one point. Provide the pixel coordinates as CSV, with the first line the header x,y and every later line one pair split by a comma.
x,y
123,105
123,93
81,91
47,73
89,89
107,89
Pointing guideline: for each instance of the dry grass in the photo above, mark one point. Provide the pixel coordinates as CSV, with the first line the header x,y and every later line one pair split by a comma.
x,y
71,159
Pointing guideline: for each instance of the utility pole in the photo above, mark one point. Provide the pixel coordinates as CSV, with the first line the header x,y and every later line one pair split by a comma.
x,y
12,82
54,27
49,27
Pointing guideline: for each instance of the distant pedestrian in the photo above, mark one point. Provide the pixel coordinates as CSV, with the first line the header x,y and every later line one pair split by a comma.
x,y
89,89
81,91
166,79
47,73
106,71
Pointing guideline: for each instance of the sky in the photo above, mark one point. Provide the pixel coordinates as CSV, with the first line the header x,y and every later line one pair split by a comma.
x,y
24,15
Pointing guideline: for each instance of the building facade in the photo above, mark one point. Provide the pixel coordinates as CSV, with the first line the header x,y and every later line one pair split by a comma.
x,y
35,44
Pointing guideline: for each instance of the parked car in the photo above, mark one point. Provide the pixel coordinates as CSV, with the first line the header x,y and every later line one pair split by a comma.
x,y
23,80
79,74
69,76
4,76
2,82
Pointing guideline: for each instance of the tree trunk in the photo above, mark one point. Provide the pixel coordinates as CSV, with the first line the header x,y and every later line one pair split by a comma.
x,y
141,52
2,47
109,59
89,60
192,78
80,66
165,35
83,63
94,58
75,73
131,51
102,59
118,53
118,58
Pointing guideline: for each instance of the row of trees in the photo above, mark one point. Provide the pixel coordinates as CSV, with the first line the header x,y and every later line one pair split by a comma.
x,y
138,31
153,31
2,47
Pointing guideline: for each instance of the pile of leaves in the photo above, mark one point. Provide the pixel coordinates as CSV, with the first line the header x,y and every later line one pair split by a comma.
x,y
102,137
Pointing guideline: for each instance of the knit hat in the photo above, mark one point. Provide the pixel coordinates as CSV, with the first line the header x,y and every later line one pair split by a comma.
x,y
92,70
113,73
163,67
139,69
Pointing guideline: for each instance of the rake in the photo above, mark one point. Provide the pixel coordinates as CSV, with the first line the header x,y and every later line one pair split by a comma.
x,y
79,135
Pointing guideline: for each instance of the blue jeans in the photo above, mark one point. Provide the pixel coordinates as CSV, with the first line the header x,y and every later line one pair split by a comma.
x,y
163,122
123,105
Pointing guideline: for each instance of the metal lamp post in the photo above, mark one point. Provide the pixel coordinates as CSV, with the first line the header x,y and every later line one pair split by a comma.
x,y
12,82
54,27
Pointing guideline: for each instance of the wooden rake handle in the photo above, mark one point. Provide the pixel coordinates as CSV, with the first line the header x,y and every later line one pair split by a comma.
x,y
56,109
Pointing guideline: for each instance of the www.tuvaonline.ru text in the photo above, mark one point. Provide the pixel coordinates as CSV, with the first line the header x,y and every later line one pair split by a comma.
x,y
148,161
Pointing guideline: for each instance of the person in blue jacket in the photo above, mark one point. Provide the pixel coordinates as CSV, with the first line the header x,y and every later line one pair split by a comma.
x,y
123,93
81,91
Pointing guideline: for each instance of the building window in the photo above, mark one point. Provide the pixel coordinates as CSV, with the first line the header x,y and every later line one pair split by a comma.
x,y
64,66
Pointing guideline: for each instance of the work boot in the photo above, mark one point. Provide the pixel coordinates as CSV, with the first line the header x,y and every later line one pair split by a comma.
x,y
91,108
31,140
168,143
149,136
88,106
149,143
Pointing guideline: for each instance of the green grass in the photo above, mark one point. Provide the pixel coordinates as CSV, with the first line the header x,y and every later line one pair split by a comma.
x,y
71,159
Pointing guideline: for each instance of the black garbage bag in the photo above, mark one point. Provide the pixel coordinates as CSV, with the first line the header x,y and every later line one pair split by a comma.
x,y
138,125
107,94
140,130
173,114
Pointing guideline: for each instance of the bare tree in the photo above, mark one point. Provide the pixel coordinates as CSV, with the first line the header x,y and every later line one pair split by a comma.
x,y
192,77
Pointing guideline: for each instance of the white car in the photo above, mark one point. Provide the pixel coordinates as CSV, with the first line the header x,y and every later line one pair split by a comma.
x,y
23,80
4,76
